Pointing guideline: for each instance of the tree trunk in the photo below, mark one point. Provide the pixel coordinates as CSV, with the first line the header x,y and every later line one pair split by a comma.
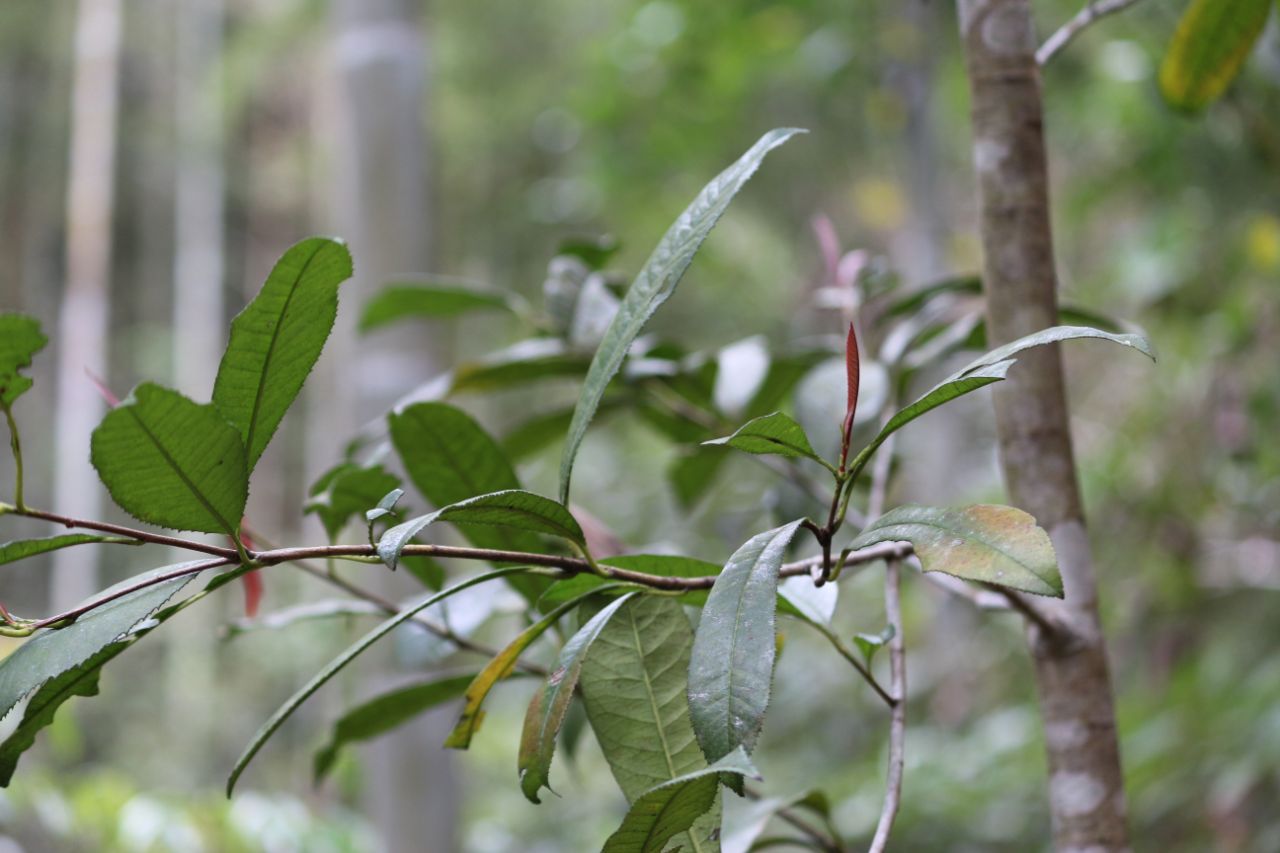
x,y
83,319
1086,790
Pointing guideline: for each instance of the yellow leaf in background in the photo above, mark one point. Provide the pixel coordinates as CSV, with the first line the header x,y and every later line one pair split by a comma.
x,y
880,204
1262,242
1213,39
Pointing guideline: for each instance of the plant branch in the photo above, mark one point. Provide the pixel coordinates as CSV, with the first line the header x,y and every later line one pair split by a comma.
x,y
849,656
825,842
132,533
15,443
898,712
1093,11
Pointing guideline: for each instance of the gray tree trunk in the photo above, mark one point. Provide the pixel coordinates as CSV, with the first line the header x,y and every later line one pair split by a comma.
x,y
1086,786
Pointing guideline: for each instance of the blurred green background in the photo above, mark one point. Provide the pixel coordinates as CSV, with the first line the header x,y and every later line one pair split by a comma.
x,y
533,122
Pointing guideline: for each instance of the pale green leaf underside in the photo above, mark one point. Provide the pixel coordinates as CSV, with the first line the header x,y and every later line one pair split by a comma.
x,y
731,667
992,544
655,283
1210,46
172,462
277,338
20,339
20,549
776,434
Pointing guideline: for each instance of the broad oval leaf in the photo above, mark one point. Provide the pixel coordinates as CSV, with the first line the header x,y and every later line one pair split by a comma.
x,y
435,298
777,434
731,666
655,283
20,549
384,713
20,339
994,544
499,668
277,338
1213,39
172,462
671,808
336,665
549,705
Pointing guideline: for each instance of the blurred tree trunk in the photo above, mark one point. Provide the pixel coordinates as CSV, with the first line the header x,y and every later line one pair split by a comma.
x,y
1086,786
84,315
382,209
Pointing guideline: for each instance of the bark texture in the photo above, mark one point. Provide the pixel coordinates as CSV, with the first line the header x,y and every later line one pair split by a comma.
x,y
1086,789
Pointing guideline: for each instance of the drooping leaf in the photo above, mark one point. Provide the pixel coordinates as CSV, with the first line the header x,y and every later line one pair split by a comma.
x,y
520,364
350,494
172,462
1213,39
995,544
386,506
277,338
731,667
384,713
497,669
663,812
435,298
513,508
336,665
776,434
654,284
20,549
800,595
693,473
549,705
986,369
633,683
20,339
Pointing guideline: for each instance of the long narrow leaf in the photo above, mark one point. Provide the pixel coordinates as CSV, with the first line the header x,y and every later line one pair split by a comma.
x,y
20,549
1213,39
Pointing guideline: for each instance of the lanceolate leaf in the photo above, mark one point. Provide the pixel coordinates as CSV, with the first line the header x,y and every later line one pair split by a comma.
x,y
655,283
986,369
776,434
337,664
169,461
429,299
853,374
1212,41
671,808
20,339
633,684
20,549
994,544
513,508
731,667
550,704
276,340
499,668
384,713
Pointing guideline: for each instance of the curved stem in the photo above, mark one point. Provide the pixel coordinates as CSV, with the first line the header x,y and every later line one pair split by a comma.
x,y
16,444
132,533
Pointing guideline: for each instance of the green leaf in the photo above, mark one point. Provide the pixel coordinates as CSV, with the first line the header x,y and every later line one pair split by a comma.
x,y
20,549
497,669
693,473
336,665
277,338
520,364
776,434
984,370
731,667
350,494
513,508
20,339
384,713
672,807
633,684
1213,39
869,644
547,710
994,544
655,283
436,298
172,462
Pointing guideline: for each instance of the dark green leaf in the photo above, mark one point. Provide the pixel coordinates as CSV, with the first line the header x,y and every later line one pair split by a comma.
x,y
337,664
277,338
777,434
993,544
384,713
172,462
731,667
349,495
429,299
550,704
20,339
595,251
660,814
655,282
520,364
693,473
20,549
1213,39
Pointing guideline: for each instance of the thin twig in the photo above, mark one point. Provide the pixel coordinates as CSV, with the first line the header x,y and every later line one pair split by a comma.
x,y
824,841
1051,629
898,713
1093,11
132,533
849,656
980,598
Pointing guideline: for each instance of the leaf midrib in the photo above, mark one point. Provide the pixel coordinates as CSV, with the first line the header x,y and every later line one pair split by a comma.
x,y
172,463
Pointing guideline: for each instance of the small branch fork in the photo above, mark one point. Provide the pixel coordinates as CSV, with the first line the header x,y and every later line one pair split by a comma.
x,y
1093,11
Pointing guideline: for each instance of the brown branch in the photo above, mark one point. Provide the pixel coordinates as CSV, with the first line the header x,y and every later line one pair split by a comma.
x,y
1092,12
825,842
898,711
132,533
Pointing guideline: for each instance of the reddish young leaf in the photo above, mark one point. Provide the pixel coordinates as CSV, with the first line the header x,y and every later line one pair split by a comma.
x,y
852,371
107,393
253,587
